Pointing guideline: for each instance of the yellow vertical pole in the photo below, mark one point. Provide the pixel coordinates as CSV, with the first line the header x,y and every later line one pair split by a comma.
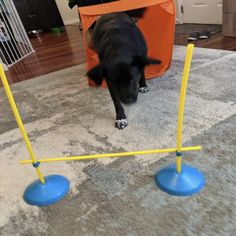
x,y
182,96
20,123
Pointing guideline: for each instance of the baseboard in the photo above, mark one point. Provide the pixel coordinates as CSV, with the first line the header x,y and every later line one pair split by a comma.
x,y
70,22
4,66
178,21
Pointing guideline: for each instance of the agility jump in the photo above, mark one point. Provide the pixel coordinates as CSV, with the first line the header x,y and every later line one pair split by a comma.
x,y
176,179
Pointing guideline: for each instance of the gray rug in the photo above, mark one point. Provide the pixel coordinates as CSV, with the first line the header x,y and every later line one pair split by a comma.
x,y
118,196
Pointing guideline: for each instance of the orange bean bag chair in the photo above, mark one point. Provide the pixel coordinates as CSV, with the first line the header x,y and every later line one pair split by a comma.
x,y
157,26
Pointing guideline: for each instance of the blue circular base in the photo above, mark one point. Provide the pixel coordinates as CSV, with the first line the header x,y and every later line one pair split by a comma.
x,y
54,189
186,183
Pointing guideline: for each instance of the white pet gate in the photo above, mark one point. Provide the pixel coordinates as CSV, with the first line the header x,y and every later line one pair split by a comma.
x,y
14,42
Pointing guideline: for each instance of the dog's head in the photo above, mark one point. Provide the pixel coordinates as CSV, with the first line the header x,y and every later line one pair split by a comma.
x,y
123,77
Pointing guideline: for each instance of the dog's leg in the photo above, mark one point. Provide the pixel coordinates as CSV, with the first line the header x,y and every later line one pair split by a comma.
x,y
121,121
142,84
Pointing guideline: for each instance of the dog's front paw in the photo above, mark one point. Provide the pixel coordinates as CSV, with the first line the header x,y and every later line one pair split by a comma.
x,y
143,89
121,124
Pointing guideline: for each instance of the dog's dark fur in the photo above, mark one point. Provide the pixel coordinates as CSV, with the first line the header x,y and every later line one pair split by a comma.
x,y
122,52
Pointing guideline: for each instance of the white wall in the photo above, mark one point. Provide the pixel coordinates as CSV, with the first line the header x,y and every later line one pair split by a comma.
x,y
69,16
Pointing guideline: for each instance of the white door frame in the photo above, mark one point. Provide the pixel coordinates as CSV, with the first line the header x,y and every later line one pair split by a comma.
x,y
179,11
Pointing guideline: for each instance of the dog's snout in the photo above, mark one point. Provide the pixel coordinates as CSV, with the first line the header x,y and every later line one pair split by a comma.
x,y
128,95
129,100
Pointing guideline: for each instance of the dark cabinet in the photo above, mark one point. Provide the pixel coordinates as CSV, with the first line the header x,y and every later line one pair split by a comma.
x,y
38,14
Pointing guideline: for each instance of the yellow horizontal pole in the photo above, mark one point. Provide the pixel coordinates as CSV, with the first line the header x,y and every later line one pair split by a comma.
x,y
121,154
19,122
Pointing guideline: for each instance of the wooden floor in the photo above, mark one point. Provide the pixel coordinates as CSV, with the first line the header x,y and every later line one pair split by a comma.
x,y
52,53
55,52
217,41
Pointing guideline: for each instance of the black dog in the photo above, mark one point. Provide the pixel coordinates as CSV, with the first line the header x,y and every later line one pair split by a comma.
x,y
122,52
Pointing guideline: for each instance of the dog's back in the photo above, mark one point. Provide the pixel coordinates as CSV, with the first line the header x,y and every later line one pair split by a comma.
x,y
116,34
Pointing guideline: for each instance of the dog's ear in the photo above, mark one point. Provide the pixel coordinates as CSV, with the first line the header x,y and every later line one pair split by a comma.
x,y
96,74
144,61
150,61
